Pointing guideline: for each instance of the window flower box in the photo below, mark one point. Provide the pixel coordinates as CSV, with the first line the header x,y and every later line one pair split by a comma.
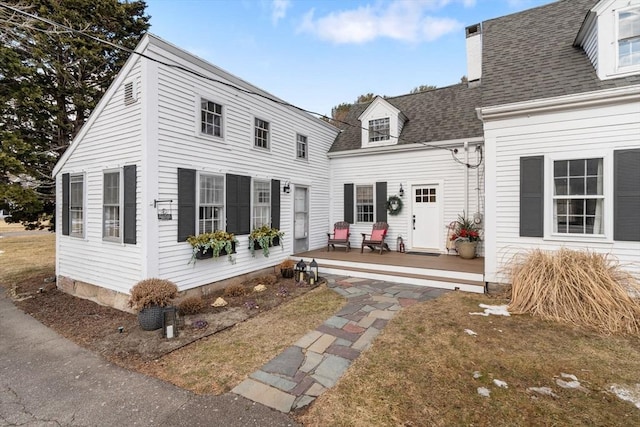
x,y
263,238
212,245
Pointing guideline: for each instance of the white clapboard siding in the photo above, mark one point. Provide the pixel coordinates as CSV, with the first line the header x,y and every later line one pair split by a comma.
x,y
601,128
421,166
111,141
180,146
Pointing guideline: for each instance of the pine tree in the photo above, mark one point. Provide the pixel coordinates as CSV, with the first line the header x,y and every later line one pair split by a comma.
x,y
51,78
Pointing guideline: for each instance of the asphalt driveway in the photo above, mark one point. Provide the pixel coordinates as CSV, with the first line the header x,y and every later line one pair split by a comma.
x,y
46,379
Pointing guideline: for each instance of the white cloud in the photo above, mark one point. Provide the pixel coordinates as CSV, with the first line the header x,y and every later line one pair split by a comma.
x,y
279,10
404,20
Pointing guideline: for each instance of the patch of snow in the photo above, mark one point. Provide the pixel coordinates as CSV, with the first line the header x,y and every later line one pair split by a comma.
x,y
496,310
628,393
484,392
543,390
477,374
574,383
500,383
470,332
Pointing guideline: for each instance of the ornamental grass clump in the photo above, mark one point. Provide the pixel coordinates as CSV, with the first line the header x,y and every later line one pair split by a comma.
x,y
150,292
578,287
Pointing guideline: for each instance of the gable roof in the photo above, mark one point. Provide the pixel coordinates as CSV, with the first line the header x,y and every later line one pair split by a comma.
x,y
531,55
442,114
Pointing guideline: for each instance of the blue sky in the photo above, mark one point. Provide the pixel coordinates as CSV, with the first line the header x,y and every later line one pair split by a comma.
x,y
319,53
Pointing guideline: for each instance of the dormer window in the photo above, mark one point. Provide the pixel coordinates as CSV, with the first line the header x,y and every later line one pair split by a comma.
x,y
629,38
379,129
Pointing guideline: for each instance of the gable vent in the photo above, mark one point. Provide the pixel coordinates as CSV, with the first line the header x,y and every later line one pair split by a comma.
x,y
130,93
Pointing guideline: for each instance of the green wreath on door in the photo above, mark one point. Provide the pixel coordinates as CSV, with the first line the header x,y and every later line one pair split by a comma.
x,y
394,205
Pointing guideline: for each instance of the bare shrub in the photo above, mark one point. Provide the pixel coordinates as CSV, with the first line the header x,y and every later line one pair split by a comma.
x,y
152,291
191,305
269,279
234,291
579,287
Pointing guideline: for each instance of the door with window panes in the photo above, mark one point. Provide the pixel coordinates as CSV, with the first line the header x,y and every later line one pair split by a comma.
x,y
426,217
300,219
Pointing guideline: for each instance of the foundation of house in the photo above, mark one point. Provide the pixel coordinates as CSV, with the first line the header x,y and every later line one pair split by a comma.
x,y
120,300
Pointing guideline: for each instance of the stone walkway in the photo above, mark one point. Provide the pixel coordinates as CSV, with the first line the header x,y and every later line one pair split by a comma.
x,y
302,372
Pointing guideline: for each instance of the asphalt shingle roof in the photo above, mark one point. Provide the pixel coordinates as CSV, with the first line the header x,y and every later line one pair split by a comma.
x,y
436,115
525,56
530,55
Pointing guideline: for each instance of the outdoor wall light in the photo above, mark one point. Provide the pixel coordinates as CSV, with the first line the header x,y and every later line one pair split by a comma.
x,y
401,191
287,187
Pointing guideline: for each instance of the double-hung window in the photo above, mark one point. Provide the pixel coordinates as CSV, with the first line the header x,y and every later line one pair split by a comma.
x,y
629,38
364,203
261,203
301,146
111,218
76,205
578,196
261,133
211,118
379,129
211,204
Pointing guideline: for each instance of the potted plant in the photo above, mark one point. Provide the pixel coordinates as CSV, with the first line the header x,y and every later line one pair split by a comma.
x,y
212,244
264,237
286,268
466,237
148,296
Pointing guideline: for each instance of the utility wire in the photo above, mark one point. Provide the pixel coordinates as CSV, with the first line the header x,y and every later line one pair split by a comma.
x,y
230,85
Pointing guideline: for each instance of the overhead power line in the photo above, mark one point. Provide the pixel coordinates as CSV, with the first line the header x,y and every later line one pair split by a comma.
x,y
221,82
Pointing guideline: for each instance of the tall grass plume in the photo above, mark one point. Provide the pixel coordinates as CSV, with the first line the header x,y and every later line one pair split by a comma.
x,y
578,287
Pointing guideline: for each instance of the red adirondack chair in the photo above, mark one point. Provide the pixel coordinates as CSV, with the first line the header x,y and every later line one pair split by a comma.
x,y
376,238
340,236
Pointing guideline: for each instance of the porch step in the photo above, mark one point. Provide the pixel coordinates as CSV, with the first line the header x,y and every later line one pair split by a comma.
x,y
444,279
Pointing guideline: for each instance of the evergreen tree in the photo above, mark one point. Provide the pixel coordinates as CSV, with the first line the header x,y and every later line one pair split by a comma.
x,y
51,78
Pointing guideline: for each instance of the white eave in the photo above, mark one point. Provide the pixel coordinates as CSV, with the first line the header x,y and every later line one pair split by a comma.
x,y
379,100
404,147
109,93
565,102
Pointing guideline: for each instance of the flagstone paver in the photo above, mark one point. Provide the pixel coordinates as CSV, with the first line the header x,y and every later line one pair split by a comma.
x,y
302,372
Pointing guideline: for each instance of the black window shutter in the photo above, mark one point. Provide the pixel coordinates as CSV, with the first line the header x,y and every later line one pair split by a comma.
x,y
626,195
65,204
381,202
186,203
532,196
275,203
238,207
130,204
348,203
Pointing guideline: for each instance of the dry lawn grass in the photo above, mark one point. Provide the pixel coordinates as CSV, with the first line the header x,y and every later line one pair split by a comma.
x,y
6,227
220,362
26,256
419,372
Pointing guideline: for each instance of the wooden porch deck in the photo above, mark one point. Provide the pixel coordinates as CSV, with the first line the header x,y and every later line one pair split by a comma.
x,y
442,271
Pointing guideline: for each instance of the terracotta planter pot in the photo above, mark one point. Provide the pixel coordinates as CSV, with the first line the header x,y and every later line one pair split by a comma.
x,y
466,250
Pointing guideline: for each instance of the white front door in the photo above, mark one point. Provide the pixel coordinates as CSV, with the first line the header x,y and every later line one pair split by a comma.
x,y
426,217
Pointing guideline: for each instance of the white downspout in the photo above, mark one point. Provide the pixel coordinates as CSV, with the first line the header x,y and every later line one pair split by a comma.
x,y
466,179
